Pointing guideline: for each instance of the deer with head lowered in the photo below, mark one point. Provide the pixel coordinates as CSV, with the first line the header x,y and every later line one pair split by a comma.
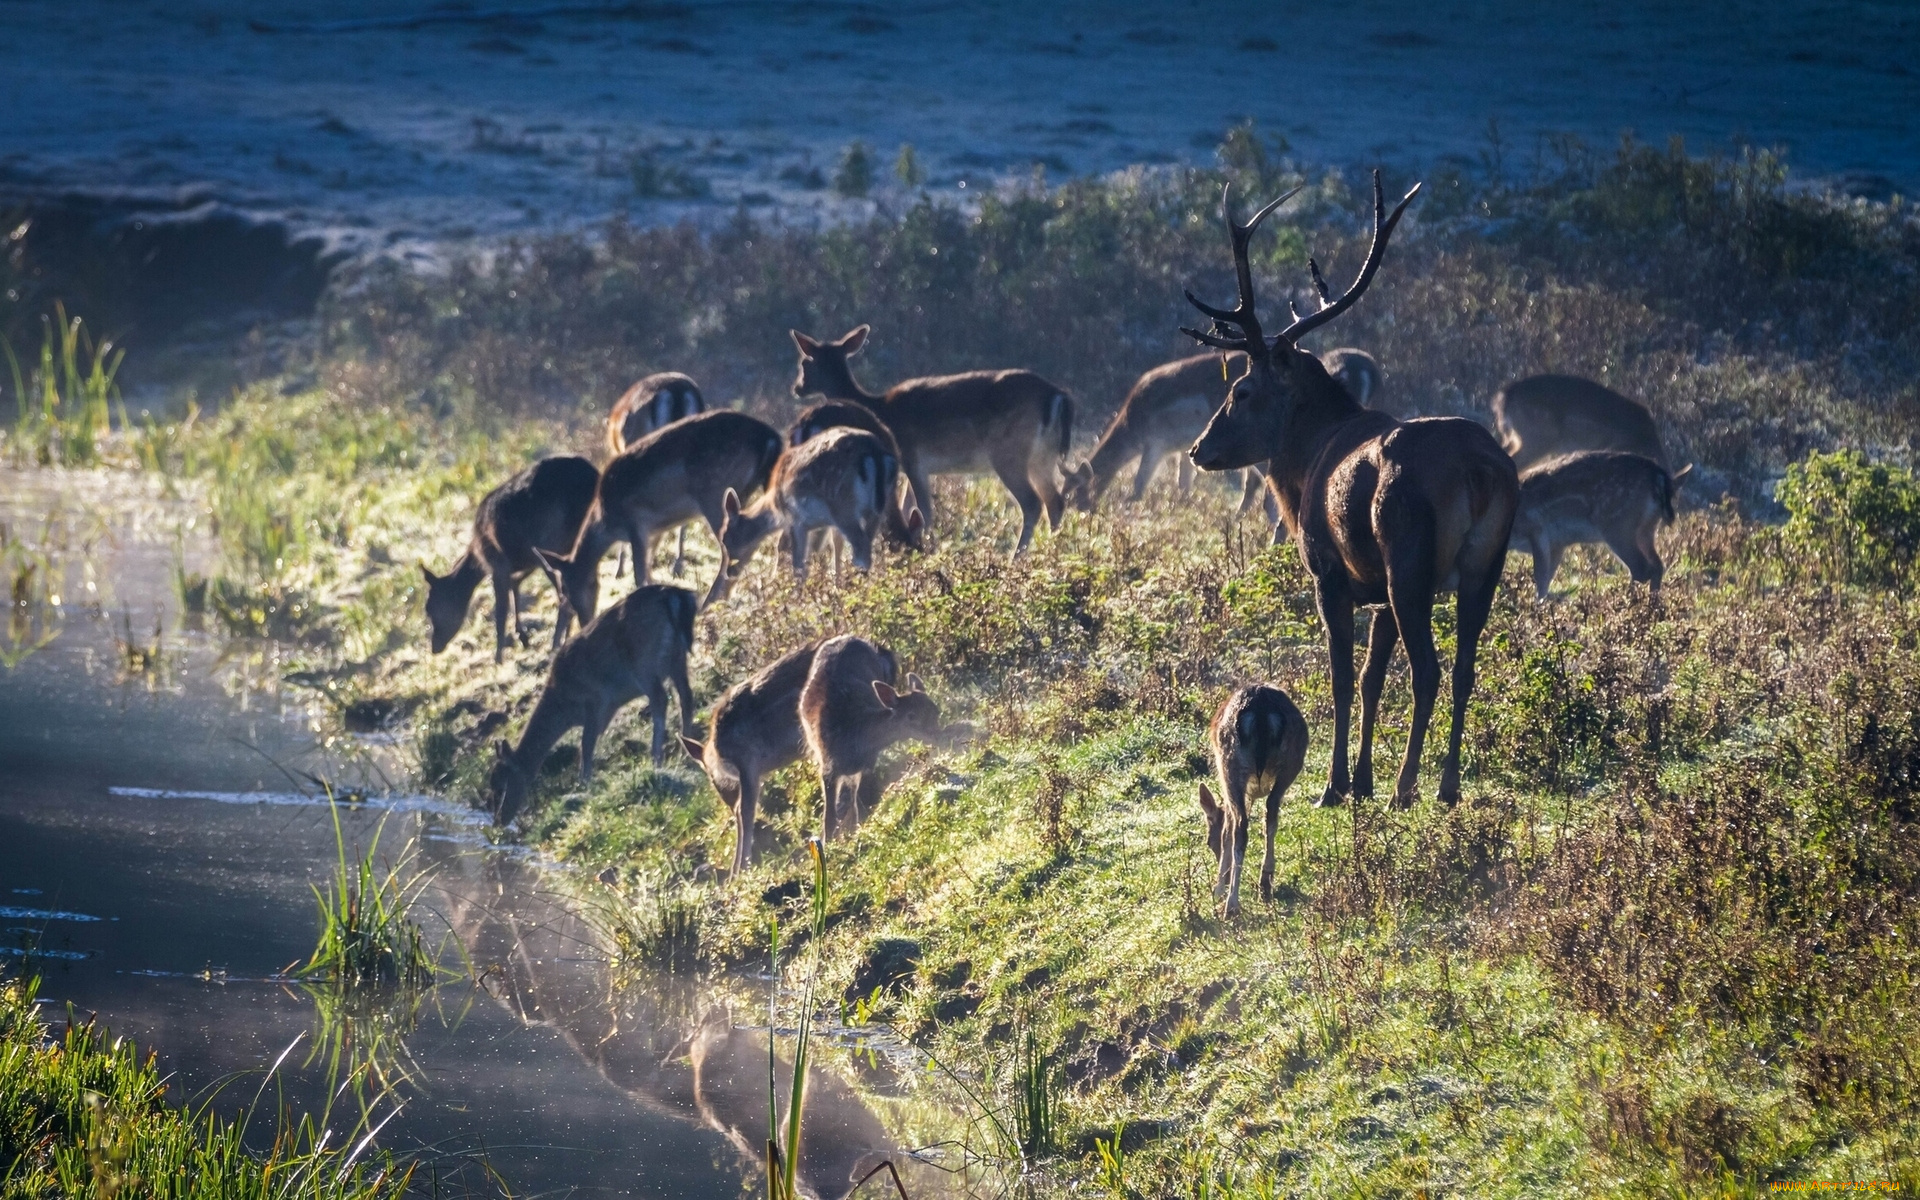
x,y
541,508
1548,416
850,711
1387,514
754,730
653,403
1259,741
634,649
1014,423
1596,496
671,476
845,479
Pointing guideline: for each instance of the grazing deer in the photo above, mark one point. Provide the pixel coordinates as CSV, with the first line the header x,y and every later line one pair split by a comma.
x,y
1595,496
1259,741
1162,412
1547,416
845,479
754,731
541,508
850,712
1388,514
1013,423
652,404
634,649
668,477
836,414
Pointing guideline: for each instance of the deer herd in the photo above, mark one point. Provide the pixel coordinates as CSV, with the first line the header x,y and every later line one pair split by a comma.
x,y
1388,515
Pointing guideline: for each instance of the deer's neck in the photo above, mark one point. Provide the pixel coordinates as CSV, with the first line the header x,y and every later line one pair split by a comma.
x,y
1117,447
871,737
756,523
843,386
466,574
552,717
1319,417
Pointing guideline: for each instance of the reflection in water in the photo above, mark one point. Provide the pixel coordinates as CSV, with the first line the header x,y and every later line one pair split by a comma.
x,y
159,838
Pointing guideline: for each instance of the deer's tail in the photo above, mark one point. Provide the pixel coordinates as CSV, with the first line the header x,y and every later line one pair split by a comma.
x,y
1056,417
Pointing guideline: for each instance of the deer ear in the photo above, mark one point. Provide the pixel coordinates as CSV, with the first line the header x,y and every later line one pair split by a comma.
x,y
915,522
854,342
730,503
803,343
884,691
1682,473
1208,804
914,684
695,750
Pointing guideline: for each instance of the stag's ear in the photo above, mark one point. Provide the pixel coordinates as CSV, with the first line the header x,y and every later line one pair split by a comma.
x,y
1208,804
914,684
803,343
855,341
730,504
884,691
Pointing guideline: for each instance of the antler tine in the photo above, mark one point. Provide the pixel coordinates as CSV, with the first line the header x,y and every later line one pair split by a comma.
x,y
1383,226
1243,314
1319,284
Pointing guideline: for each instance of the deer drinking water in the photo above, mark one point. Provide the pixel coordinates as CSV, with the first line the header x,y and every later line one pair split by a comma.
x,y
754,731
845,480
1547,416
1387,514
850,712
1595,496
541,508
1014,423
636,648
1259,741
666,478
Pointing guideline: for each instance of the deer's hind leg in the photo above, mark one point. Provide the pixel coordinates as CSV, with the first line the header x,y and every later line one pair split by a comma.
x,y
1293,755
1233,852
505,597
1015,479
1382,636
1410,588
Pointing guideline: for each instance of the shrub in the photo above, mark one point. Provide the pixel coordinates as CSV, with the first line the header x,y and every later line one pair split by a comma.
x,y
1857,520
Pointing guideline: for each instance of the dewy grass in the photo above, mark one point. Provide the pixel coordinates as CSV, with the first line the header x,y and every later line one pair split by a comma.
x,y
85,1116
783,1127
63,406
367,940
1035,1103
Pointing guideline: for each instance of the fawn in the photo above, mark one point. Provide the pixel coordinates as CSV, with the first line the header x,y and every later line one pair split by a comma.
x,y
1259,742
850,712
541,508
636,648
1595,496
754,731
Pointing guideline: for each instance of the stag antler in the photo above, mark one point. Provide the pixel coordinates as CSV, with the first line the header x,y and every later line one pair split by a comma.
x,y
1329,309
1244,315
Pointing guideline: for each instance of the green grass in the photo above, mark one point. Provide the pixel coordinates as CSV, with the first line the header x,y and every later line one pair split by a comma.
x,y
367,939
1666,945
63,401
83,1114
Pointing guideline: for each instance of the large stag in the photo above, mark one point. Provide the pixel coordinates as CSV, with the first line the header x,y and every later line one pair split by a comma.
x,y
1388,514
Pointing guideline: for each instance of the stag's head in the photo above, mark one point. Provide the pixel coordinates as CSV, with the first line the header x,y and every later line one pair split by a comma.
x,y
1261,404
823,365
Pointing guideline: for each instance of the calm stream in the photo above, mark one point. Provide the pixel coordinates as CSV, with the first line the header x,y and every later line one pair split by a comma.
x,y
159,839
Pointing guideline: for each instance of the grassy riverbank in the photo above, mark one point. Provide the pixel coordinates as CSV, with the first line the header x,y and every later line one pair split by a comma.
x,y
1669,941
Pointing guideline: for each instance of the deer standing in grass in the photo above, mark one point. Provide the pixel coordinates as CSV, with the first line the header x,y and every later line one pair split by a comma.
x,y
669,477
1595,496
1547,416
754,731
652,404
636,648
838,414
1014,423
846,480
541,508
1259,741
850,712
1387,514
